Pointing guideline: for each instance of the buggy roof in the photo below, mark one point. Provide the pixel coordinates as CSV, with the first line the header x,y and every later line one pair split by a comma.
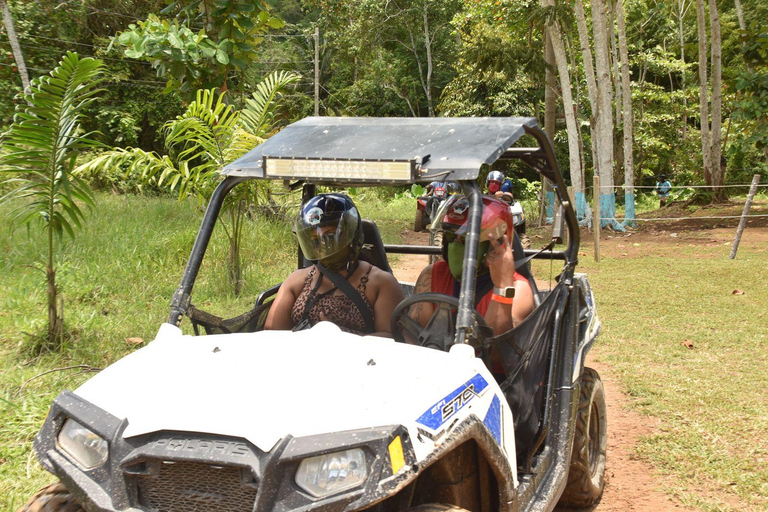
x,y
447,148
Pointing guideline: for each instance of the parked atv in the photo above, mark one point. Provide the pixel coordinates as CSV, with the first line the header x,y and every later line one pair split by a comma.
x,y
428,204
243,419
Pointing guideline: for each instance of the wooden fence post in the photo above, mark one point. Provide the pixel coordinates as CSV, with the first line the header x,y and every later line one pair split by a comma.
x,y
743,221
596,218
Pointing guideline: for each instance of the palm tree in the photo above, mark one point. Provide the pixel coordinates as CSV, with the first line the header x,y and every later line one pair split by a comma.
x,y
40,150
206,137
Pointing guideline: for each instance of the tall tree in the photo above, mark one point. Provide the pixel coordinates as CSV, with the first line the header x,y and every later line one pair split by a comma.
x,y
718,170
10,29
40,151
710,133
627,120
604,115
554,35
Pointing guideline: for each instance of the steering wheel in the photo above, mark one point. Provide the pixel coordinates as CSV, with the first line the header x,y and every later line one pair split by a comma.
x,y
440,330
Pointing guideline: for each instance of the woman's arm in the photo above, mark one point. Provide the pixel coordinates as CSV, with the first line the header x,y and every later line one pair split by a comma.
x,y
502,317
279,316
388,295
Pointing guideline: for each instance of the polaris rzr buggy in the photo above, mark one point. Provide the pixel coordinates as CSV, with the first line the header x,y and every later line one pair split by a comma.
x,y
243,419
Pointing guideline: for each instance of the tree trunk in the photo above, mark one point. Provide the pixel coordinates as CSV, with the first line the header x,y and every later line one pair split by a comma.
x,y
14,42
628,122
550,104
717,102
428,46
616,64
604,115
561,58
742,25
703,95
681,10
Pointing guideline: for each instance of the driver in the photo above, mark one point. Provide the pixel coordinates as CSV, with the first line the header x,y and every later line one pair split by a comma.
x,y
495,269
499,186
329,231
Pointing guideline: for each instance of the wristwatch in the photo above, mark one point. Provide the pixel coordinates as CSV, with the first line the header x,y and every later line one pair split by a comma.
x,y
507,292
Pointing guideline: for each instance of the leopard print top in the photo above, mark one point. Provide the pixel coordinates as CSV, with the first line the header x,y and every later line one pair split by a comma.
x,y
337,308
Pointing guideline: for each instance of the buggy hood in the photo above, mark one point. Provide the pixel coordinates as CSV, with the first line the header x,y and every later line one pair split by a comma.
x,y
264,386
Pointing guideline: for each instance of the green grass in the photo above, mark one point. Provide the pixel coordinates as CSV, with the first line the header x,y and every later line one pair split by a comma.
x,y
712,445
118,276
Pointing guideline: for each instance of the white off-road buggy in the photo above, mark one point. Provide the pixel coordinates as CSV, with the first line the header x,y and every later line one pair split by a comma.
x,y
240,419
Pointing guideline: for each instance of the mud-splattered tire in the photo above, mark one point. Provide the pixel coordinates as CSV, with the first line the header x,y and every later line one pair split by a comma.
x,y
418,222
436,507
586,474
53,498
435,240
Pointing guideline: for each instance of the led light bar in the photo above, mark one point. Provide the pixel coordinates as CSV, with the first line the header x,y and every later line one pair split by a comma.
x,y
346,170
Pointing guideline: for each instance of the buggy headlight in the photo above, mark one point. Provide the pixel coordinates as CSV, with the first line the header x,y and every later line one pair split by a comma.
x,y
328,474
83,446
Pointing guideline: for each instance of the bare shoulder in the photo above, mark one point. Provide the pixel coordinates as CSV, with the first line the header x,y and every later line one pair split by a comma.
x,y
382,277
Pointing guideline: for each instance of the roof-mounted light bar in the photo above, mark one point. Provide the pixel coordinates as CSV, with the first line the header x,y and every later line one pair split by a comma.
x,y
335,169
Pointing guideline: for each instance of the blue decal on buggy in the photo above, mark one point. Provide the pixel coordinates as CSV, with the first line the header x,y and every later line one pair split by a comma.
x,y
493,419
453,403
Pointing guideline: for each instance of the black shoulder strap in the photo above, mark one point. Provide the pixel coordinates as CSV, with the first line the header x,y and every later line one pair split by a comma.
x,y
519,263
346,288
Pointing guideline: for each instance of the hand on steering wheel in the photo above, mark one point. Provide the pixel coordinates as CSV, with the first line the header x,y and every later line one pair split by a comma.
x,y
440,330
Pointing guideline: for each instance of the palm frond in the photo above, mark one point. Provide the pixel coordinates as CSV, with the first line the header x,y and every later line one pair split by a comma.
x,y
205,129
43,141
257,117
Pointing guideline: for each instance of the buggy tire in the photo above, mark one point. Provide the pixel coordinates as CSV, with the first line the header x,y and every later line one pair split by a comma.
x,y
435,239
53,498
436,507
586,474
418,222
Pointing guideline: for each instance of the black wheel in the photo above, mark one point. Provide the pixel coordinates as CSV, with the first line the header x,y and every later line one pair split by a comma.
x,y
440,330
418,222
436,507
586,474
53,498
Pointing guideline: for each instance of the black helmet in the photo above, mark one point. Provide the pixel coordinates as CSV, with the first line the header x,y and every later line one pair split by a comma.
x,y
317,241
662,177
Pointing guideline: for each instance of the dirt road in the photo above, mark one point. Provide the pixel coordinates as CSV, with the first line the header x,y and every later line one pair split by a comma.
x,y
630,484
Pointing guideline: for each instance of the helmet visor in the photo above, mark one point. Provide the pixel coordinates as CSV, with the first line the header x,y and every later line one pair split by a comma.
x,y
325,229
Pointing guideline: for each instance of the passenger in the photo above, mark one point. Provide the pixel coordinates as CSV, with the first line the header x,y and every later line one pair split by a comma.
x,y
499,186
330,233
495,270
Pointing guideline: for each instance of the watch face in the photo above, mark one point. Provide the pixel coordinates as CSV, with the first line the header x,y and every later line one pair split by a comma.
x,y
507,292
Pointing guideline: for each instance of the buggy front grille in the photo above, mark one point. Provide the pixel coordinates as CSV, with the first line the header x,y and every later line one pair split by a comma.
x,y
195,487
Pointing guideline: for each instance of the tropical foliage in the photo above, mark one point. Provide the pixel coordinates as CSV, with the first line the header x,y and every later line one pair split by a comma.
x,y
200,142
39,155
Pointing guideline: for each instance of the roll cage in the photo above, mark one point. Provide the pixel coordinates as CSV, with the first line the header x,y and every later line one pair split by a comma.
x,y
426,149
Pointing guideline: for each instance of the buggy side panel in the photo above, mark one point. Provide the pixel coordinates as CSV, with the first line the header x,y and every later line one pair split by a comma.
x,y
525,352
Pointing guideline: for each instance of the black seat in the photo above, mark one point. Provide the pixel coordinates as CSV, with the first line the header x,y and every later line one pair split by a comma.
x,y
373,248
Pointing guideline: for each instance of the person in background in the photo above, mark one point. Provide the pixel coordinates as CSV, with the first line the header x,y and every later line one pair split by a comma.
x,y
504,297
330,234
499,186
663,187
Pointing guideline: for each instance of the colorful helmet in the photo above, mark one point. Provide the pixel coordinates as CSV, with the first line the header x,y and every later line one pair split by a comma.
x,y
494,176
317,241
497,219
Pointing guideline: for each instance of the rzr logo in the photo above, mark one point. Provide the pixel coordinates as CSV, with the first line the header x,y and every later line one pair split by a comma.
x,y
458,402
